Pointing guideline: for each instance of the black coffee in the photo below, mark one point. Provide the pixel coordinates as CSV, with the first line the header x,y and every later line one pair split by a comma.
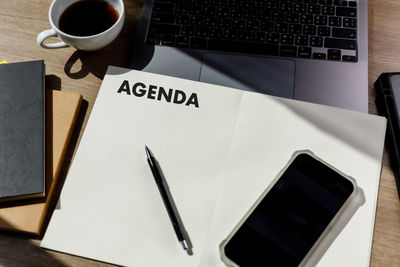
x,y
87,17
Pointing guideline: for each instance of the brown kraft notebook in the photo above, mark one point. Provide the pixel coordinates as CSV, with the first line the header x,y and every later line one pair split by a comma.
x,y
62,109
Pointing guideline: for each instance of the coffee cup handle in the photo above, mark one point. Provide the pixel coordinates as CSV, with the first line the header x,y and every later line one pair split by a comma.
x,y
47,34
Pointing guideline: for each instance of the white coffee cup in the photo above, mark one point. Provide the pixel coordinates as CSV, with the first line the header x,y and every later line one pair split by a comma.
x,y
86,43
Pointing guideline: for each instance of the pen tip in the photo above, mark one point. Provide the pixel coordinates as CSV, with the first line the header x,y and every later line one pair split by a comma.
x,y
184,245
147,151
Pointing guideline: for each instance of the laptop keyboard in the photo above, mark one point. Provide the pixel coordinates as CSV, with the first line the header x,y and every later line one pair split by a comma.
x,y
318,29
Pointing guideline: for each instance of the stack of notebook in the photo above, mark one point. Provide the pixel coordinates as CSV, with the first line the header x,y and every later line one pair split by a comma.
x,y
35,129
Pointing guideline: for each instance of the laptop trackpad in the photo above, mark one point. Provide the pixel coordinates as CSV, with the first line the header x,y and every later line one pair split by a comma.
x,y
257,74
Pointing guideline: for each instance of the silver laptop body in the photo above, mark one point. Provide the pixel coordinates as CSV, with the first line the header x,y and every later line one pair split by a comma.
x,y
334,83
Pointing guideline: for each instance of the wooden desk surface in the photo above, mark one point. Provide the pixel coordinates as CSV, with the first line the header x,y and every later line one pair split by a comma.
x,y
71,70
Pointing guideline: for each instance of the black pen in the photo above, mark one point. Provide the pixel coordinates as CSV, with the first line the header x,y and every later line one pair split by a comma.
x,y
164,195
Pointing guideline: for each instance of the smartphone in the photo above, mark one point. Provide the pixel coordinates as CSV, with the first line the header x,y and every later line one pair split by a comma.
x,y
289,221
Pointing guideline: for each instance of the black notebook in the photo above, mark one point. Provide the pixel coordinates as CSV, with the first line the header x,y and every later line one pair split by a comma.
x,y
387,100
22,170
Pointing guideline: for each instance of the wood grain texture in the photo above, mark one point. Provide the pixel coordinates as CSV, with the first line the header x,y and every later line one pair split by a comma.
x,y
384,56
71,70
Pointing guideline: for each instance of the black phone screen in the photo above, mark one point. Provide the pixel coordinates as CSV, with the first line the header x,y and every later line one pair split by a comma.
x,y
291,217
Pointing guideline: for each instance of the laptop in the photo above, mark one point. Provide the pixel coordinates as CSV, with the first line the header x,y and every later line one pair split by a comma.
x,y
310,50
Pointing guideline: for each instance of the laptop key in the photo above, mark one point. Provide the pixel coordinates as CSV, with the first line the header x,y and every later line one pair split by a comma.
x,y
182,41
306,19
272,5
253,25
335,21
219,3
236,13
287,39
258,36
292,18
344,33
229,34
195,10
208,10
196,20
334,54
167,39
267,26
316,41
163,7
325,2
311,1
352,3
340,43
286,6
328,10
201,32
319,55
302,40
288,51
320,20
349,23
182,19
210,22
340,3
309,29
278,16
250,14
304,52
264,15
281,27
181,9
238,24
215,33
349,58
222,12
187,30
163,18
273,38
300,8
244,36
324,31
295,28
346,11
314,9
224,23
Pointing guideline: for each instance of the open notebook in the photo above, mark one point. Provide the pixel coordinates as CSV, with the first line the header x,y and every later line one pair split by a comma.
x,y
218,148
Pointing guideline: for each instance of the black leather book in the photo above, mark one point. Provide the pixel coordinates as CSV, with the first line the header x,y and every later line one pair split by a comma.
x,y
387,100
22,170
